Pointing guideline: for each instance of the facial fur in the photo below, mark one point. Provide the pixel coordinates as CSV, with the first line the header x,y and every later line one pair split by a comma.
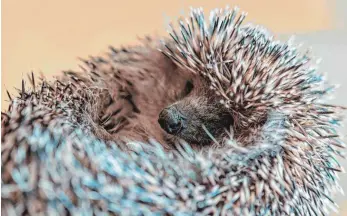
x,y
197,117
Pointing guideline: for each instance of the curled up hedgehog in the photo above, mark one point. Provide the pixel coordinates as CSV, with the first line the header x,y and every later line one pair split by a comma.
x,y
218,119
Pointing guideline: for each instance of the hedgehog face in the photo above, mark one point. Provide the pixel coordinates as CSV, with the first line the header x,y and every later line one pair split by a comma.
x,y
197,117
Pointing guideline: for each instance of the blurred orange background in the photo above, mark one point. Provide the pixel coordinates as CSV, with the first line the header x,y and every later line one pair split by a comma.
x,y
48,36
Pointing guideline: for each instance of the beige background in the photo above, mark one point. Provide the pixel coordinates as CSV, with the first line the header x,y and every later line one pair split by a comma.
x,y
48,36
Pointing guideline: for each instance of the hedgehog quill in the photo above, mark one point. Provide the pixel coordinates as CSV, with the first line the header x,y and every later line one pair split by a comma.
x,y
217,119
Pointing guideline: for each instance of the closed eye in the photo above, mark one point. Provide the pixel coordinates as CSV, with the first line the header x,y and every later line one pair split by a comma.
x,y
188,88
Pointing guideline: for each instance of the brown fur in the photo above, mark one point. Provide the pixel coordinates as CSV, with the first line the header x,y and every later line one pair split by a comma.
x,y
139,82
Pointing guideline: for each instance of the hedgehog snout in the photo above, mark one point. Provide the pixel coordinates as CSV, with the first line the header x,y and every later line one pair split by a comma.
x,y
171,120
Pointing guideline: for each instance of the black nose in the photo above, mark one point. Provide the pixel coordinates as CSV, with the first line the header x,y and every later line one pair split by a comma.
x,y
171,120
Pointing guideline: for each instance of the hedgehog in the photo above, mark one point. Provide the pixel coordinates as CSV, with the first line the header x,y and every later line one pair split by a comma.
x,y
218,119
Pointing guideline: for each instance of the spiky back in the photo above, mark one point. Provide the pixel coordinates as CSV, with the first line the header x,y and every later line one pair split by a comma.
x,y
252,75
244,65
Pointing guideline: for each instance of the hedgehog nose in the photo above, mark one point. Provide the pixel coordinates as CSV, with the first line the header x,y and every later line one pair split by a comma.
x,y
170,120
